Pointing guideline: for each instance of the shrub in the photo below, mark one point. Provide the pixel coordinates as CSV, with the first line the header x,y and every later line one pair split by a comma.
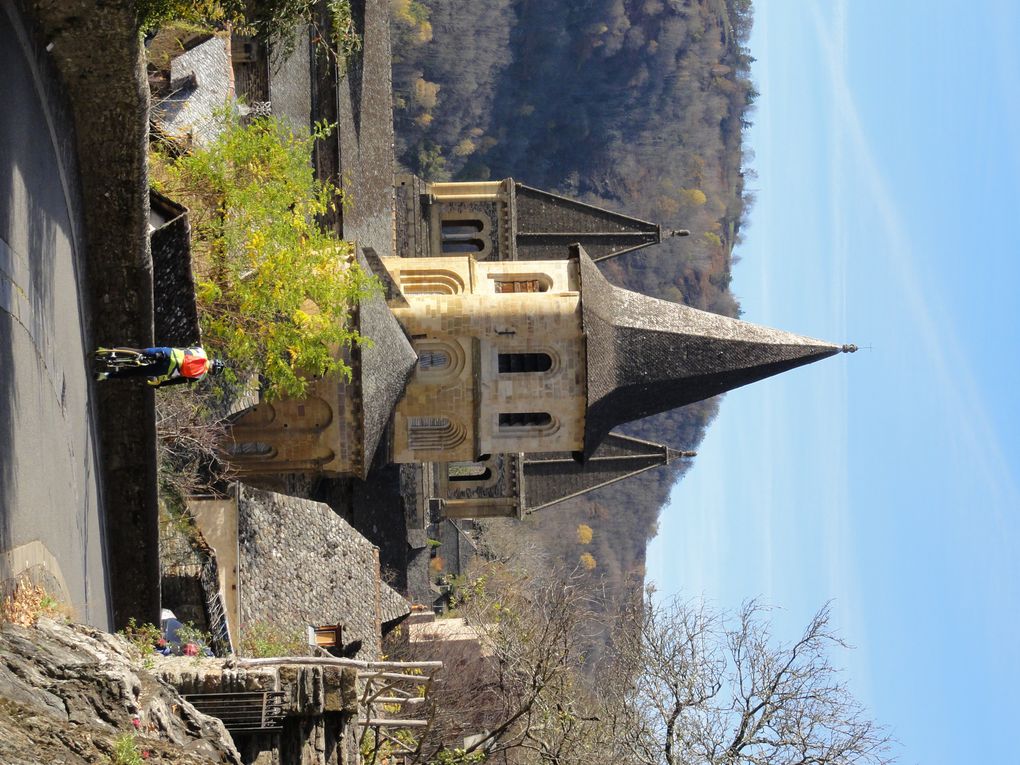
x,y
126,751
142,637
264,639
28,602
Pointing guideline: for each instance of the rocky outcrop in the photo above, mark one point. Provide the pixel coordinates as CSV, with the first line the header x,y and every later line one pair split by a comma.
x,y
69,694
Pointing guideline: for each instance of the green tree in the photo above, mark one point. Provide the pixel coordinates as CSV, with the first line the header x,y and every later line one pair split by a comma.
x,y
273,21
274,289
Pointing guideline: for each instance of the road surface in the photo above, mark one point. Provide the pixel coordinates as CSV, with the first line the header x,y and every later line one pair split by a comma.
x,y
50,485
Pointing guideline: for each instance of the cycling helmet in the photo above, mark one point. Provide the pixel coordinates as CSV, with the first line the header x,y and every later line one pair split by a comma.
x,y
216,367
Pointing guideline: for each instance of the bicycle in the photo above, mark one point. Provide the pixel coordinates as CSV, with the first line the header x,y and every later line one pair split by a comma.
x,y
115,359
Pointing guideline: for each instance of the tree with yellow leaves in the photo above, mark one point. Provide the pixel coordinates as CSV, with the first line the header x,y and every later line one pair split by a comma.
x,y
274,289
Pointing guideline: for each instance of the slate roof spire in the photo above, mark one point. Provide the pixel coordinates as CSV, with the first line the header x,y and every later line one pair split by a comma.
x,y
547,224
646,356
554,477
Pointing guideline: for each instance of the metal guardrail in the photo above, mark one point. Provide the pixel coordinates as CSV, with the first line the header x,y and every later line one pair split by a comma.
x,y
247,712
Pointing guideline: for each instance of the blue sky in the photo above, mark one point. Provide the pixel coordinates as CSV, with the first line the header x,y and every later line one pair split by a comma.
x,y
887,142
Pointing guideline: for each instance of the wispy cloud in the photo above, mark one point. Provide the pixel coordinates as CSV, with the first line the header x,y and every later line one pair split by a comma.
x,y
947,372
967,410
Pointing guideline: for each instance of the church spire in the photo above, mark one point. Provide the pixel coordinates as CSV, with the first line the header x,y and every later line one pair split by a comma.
x,y
547,224
646,356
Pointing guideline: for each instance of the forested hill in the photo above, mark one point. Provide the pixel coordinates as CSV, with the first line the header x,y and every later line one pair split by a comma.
x,y
637,105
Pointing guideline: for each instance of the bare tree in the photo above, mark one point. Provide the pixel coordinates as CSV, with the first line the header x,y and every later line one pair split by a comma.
x,y
522,689
712,689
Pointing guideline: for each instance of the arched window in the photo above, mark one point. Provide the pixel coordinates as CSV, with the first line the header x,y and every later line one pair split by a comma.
x,y
433,360
253,449
468,471
438,359
430,281
524,419
461,229
433,433
521,282
464,246
461,235
510,363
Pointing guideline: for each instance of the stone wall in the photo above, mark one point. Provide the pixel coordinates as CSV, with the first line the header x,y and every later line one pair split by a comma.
x,y
96,51
301,564
176,312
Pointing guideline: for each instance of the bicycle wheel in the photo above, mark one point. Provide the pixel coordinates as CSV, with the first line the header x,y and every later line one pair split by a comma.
x,y
122,358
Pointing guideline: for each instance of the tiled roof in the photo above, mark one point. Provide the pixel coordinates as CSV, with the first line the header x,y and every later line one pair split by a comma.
x,y
202,83
547,224
554,477
301,563
385,367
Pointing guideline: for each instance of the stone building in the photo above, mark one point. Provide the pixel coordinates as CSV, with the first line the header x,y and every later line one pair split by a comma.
x,y
502,359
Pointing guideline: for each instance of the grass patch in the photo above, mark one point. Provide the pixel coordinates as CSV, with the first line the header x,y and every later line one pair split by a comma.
x,y
264,640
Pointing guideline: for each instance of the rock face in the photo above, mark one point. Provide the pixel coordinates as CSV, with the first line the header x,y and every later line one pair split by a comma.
x,y
69,694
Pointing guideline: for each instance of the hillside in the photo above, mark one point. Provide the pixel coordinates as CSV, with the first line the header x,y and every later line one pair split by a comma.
x,y
638,105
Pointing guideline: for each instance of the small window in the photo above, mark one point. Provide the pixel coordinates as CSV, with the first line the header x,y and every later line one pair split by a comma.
x,y
524,419
510,363
503,283
428,360
520,285
461,229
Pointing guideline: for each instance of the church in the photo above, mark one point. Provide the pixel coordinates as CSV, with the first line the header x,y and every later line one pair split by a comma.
x,y
502,361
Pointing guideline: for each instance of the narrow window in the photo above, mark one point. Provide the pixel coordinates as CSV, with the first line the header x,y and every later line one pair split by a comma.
x,y
463,245
520,282
461,229
433,360
524,419
510,363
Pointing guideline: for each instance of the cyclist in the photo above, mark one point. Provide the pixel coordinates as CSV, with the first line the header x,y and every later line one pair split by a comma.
x,y
168,366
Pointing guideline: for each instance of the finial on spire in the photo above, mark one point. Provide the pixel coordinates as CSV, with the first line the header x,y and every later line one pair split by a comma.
x,y
679,232
676,454
849,348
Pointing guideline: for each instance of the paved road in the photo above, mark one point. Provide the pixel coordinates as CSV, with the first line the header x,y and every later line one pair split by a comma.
x,y
49,472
